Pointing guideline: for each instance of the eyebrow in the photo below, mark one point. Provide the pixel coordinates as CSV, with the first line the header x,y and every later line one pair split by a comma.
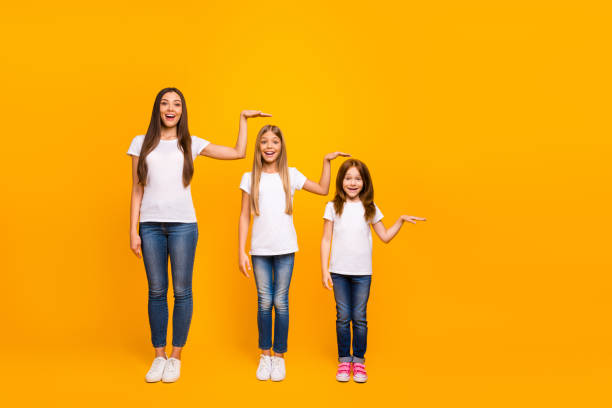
x,y
175,100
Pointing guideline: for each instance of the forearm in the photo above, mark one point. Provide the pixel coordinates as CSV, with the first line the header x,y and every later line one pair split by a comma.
x,y
325,244
394,229
325,176
135,201
241,142
243,230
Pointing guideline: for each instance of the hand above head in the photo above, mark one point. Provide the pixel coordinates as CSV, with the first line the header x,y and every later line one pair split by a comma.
x,y
332,156
254,114
410,218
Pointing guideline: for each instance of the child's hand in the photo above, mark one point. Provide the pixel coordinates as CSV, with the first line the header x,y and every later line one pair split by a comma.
x,y
410,218
135,245
327,281
332,156
244,264
254,114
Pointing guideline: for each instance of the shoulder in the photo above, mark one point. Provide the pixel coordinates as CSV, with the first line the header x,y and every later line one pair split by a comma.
x,y
330,205
139,138
246,177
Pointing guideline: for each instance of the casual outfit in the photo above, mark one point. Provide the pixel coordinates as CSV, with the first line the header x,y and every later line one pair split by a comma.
x,y
351,272
273,244
168,227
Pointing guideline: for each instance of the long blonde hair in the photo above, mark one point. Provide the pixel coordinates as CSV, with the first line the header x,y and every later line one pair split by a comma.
x,y
283,170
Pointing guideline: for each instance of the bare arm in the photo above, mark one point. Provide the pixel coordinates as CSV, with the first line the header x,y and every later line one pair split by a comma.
x,y
322,187
243,230
328,227
135,200
239,150
386,235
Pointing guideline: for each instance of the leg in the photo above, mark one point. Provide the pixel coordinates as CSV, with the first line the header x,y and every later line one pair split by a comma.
x,y
182,241
283,269
360,288
262,271
155,257
342,294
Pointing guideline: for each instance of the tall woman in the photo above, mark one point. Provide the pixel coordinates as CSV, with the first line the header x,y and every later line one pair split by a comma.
x,y
161,205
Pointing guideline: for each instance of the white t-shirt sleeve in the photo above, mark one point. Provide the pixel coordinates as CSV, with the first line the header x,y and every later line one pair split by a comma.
x,y
197,145
135,146
329,211
297,178
245,183
377,215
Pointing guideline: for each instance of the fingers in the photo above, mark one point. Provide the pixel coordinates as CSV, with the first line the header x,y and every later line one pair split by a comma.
x,y
344,154
265,115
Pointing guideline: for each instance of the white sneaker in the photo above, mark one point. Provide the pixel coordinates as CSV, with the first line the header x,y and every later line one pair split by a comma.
x,y
264,369
172,372
156,371
278,369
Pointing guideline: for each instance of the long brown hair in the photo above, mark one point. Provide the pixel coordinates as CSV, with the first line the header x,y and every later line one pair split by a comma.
x,y
283,170
153,137
366,195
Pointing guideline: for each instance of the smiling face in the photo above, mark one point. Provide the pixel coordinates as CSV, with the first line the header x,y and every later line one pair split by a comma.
x,y
352,184
170,108
270,146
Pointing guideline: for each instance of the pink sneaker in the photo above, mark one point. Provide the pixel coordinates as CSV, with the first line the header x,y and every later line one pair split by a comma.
x,y
344,372
359,373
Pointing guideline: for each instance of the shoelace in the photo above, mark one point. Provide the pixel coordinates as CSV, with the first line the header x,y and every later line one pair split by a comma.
x,y
172,364
157,363
359,369
277,363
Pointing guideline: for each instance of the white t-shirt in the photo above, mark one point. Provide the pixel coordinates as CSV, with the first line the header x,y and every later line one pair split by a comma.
x,y
351,251
165,198
273,230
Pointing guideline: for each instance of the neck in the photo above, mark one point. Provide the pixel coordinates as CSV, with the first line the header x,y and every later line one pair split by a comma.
x,y
168,133
355,199
269,167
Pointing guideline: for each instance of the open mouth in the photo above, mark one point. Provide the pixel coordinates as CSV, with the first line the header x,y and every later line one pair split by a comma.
x,y
170,116
352,190
269,153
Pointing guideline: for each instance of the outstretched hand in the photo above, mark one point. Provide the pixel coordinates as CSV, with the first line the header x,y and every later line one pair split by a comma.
x,y
332,156
254,114
410,218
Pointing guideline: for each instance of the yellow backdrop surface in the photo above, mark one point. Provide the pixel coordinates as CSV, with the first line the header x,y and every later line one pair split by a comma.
x,y
491,119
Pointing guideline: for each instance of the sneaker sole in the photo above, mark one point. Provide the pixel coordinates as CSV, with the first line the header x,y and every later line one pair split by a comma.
x,y
360,381
343,379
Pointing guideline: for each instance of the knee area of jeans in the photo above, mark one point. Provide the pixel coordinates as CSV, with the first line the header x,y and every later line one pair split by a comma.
x,y
158,293
181,294
265,303
281,303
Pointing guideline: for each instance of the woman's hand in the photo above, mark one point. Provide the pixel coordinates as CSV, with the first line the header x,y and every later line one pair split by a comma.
x,y
244,263
254,114
135,244
327,280
332,156
410,218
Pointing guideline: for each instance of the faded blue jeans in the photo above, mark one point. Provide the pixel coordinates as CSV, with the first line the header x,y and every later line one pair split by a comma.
x,y
273,277
351,293
177,240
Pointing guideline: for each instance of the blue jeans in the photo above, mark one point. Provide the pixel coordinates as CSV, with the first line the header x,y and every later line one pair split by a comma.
x,y
273,277
351,293
179,240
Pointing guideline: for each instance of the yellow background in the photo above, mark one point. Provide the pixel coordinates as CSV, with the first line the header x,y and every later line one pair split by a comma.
x,y
491,119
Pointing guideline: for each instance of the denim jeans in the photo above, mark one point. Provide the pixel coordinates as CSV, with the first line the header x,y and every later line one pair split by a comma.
x,y
351,293
178,240
273,277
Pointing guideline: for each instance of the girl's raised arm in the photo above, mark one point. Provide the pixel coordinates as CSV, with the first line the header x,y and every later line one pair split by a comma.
x,y
239,151
243,230
322,187
328,227
386,235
